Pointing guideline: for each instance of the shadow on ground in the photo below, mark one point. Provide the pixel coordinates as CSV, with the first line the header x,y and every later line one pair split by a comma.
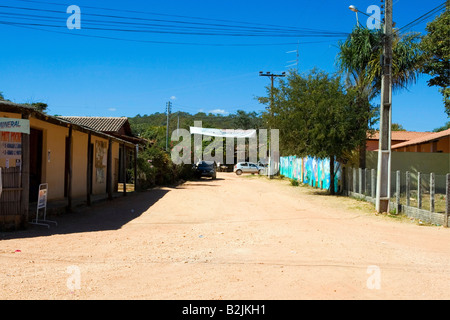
x,y
101,216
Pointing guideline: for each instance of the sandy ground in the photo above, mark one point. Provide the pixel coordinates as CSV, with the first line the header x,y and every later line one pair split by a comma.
x,y
231,238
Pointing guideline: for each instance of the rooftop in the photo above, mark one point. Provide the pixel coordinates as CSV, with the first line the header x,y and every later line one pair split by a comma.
x,y
102,124
400,135
430,137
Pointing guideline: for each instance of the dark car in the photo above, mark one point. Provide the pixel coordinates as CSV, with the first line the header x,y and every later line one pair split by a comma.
x,y
205,169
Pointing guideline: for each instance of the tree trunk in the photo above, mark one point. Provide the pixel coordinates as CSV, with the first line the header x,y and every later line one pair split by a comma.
x,y
362,155
332,175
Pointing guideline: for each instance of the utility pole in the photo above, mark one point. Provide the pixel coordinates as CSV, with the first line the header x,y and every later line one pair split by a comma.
x,y
272,77
384,150
168,109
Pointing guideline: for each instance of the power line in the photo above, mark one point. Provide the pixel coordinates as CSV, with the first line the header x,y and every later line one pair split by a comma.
x,y
137,25
253,29
161,14
159,31
154,41
423,17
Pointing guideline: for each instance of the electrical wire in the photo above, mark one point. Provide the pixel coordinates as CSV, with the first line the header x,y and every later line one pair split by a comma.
x,y
152,41
282,31
423,17
162,14
45,20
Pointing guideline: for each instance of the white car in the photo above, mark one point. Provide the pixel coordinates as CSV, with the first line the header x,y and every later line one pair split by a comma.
x,y
246,167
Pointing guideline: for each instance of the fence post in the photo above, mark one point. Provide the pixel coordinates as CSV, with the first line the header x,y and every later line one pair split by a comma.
x,y
365,181
372,184
408,186
397,192
419,190
360,180
432,188
354,180
447,197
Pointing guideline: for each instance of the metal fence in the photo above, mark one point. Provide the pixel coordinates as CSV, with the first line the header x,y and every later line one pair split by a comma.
x,y
419,195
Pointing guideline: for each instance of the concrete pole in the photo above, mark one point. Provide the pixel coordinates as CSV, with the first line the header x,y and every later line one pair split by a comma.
x,y
408,186
432,187
447,197
384,153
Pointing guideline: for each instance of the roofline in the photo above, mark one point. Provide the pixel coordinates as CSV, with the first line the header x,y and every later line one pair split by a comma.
x,y
7,106
374,135
429,138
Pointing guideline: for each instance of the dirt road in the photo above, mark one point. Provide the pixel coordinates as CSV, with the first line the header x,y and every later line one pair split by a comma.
x,y
231,238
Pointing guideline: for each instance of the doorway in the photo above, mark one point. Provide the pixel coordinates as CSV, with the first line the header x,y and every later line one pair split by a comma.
x,y
35,163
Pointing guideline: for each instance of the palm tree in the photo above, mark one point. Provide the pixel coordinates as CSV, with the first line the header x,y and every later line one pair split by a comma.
x,y
359,59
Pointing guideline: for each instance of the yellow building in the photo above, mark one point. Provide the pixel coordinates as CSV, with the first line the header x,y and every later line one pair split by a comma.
x,y
75,161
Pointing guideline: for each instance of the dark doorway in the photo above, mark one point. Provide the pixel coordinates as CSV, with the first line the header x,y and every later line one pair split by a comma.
x,y
35,163
67,167
91,166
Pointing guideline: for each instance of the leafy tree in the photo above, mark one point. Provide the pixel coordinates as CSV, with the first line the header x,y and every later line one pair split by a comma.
x,y
397,127
436,58
316,116
359,59
40,106
444,127
244,120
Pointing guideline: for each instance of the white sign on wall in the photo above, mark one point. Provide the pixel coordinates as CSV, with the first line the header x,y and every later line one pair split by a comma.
x,y
15,125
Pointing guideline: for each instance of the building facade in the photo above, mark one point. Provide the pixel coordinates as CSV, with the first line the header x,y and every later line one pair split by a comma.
x,y
74,161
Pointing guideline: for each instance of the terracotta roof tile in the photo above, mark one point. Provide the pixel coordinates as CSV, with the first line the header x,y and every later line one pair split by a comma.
x,y
400,135
103,124
430,137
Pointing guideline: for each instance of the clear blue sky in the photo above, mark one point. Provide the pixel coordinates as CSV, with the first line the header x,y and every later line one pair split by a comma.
x,y
85,76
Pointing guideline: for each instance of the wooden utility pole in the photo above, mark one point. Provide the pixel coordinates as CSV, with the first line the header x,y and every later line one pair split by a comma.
x,y
272,76
384,150
271,148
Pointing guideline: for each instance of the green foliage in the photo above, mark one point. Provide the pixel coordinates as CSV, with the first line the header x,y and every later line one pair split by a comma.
x,y
154,126
293,182
397,127
444,127
436,58
360,55
39,106
359,60
316,116
156,168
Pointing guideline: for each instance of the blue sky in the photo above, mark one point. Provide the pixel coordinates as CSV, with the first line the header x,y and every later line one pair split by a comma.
x,y
85,76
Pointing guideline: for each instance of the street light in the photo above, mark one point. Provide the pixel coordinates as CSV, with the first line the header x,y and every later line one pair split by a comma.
x,y
355,10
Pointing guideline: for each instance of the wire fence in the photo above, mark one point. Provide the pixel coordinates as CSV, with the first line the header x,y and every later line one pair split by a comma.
x,y
420,195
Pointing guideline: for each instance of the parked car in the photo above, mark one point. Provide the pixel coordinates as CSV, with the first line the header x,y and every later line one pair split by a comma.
x,y
247,167
205,169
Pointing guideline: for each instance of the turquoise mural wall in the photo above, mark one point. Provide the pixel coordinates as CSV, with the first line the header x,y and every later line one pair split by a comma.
x,y
310,170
